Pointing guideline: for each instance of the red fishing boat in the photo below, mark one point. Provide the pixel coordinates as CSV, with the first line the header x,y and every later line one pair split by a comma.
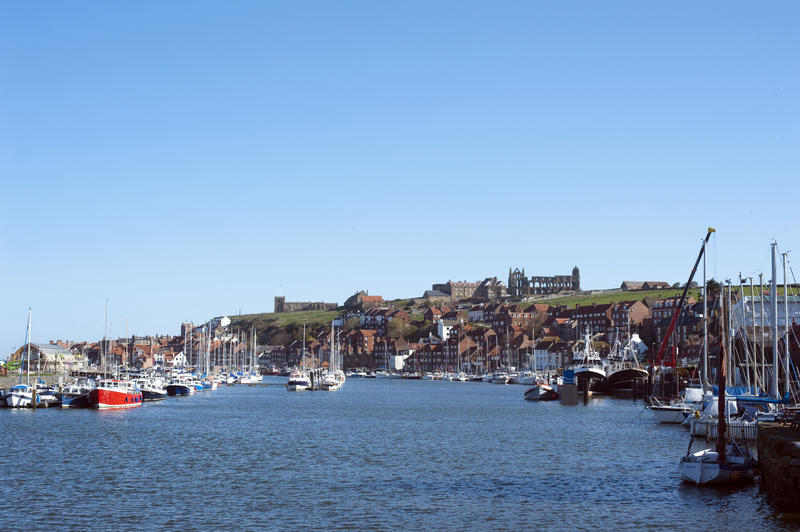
x,y
112,393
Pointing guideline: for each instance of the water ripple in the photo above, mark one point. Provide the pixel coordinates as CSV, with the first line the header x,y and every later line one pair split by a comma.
x,y
377,455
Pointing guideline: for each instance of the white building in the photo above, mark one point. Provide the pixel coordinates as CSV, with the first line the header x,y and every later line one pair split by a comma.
x,y
746,313
545,361
52,358
179,360
475,313
443,331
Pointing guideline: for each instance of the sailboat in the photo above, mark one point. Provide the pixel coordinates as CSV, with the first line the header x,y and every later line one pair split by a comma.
x,y
28,395
298,378
333,379
728,462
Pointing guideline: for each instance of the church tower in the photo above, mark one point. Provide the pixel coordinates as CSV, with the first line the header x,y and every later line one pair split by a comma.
x,y
576,278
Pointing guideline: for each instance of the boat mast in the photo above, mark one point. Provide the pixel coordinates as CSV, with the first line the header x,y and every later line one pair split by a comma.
x,y
774,300
787,359
208,351
730,337
761,333
28,348
756,377
744,326
105,348
704,380
332,362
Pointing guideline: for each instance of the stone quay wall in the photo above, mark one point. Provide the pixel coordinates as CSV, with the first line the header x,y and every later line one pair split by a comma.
x,y
779,462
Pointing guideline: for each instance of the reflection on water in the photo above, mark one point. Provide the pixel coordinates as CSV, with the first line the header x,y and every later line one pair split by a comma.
x,y
376,454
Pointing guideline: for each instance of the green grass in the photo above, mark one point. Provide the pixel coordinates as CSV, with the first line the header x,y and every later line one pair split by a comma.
x,y
282,319
617,296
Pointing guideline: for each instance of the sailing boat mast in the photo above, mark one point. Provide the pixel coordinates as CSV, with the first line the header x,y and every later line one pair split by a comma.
x,y
773,295
104,350
744,326
28,348
704,380
787,360
332,360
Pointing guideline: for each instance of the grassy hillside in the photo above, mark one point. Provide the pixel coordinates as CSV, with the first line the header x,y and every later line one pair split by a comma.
x,y
280,328
616,296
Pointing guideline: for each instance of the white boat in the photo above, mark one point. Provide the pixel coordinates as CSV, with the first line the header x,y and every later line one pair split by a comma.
x,y
704,467
587,364
20,396
333,379
298,381
500,378
677,411
526,377
728,462
541,392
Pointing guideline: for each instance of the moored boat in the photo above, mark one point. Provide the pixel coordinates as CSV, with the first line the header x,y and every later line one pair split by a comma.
x,y
114,393
541,392
298,381
76,393
152,389
180,386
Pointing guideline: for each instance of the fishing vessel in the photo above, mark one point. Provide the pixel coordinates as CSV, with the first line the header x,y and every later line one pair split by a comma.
x,y
588,366
623,371
76,393
114,393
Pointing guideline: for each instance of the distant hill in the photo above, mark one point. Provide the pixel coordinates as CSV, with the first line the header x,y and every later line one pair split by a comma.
x,y
282,328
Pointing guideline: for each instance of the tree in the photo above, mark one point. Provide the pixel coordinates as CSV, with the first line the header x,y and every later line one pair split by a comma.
x,y
352,323
713,287
396,329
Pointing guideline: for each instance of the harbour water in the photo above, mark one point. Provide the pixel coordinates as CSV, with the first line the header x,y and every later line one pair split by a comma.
x,y
377,454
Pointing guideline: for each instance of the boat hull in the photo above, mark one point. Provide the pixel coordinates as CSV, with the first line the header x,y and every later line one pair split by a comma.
x,y
107,399
704,473
541,393
180,389
154,395
669,414
625,381
69,400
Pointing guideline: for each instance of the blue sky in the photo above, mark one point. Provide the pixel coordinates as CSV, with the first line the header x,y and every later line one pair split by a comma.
x,y
191,159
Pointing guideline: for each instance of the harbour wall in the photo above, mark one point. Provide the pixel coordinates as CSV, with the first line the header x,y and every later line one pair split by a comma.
x,y
779,462
8,381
